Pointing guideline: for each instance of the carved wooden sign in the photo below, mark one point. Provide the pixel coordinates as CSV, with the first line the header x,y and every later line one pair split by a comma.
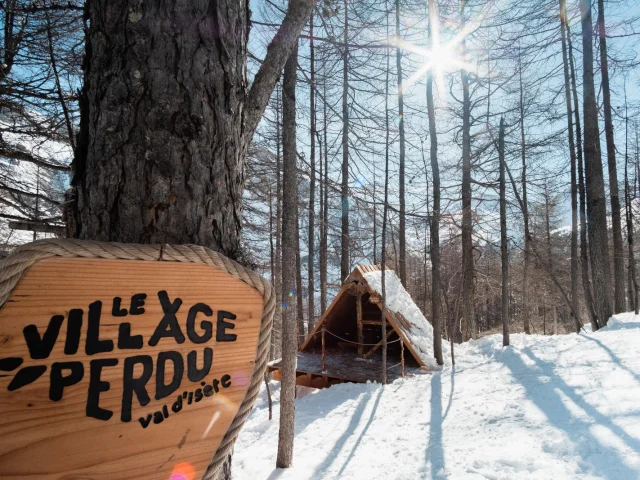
x,y
125,369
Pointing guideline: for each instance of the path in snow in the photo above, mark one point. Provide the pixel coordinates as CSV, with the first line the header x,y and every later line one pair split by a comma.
x,y
562,407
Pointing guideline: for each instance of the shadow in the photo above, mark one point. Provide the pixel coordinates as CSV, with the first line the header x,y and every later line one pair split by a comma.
x,y
453,382
606,460
277,473
617,360
362,434
322,403
435,450
350,430
621,326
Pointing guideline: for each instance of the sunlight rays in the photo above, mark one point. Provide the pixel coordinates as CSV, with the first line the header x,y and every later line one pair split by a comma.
x,y
443,58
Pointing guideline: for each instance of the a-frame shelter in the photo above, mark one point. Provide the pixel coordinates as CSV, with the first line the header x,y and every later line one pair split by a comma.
x,y
344,345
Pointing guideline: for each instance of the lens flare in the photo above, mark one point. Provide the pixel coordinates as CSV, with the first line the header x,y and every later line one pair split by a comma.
x,y
183,471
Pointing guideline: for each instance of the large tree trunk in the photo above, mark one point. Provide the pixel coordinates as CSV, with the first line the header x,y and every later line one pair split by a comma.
x,y
345,264
596,199
616,216
572,154
289,248
436,307
525,210
468,313
166,120
504,253
402,241
584,254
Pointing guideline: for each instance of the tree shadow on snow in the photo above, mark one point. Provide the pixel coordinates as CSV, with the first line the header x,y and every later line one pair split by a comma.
x,y
614,358
435,449
362,434
354,421
607,461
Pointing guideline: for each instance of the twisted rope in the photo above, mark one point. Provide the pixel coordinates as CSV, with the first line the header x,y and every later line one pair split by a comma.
x,y
15,265
356,343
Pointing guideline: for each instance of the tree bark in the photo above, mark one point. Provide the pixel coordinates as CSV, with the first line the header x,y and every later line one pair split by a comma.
x,y
289,248
325,212
344,245
312,184
468,287
572,154
402,241
299,296
276,335
616,216
375,217
504,254
596,200
436,304
385,210
632,279
167,119
584,254
525,209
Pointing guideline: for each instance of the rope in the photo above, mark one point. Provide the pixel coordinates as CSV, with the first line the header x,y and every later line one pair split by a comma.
x,y
356,343
15,265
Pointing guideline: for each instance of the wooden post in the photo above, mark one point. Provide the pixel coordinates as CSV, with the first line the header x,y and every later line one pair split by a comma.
x,y
402,356
323,366
360,331
266,384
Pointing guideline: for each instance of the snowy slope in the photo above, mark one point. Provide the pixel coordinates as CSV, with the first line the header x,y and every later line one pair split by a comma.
x,y
564,407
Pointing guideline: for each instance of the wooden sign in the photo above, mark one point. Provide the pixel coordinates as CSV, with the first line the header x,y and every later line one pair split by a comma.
x,y
122,369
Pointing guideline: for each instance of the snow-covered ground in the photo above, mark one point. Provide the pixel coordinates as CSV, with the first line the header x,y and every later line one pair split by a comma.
x,y
563,407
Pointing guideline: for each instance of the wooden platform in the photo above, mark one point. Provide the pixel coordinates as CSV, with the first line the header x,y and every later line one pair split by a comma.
x,y
343,366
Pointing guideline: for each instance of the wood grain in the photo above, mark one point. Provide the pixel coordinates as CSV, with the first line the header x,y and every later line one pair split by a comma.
x,y
42,438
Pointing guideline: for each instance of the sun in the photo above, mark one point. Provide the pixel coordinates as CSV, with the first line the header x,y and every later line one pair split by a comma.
x,y
441,58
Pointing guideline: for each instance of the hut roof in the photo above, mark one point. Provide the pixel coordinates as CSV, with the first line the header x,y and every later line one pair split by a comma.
x,y
401,311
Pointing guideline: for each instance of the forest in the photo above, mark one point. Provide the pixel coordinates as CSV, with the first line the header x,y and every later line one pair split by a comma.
x,y
488,152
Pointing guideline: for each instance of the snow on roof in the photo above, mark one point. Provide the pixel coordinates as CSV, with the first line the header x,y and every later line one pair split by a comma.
x,y
419,331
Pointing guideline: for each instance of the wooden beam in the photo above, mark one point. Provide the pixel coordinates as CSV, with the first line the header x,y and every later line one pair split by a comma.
x,y
360,331
324,368
37,227
402,356
377,345
371,322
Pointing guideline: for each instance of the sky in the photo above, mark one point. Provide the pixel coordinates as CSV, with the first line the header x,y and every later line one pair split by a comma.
x,y
548,165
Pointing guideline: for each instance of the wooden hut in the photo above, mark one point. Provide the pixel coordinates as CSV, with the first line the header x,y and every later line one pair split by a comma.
x,y
344,346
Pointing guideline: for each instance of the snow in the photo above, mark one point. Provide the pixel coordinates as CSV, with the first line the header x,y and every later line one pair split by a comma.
x,y
399,300
561,407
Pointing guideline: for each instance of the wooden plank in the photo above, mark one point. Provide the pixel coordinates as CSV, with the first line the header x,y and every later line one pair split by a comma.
x,y
345,366
34,226
372,322
378,345
92,323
